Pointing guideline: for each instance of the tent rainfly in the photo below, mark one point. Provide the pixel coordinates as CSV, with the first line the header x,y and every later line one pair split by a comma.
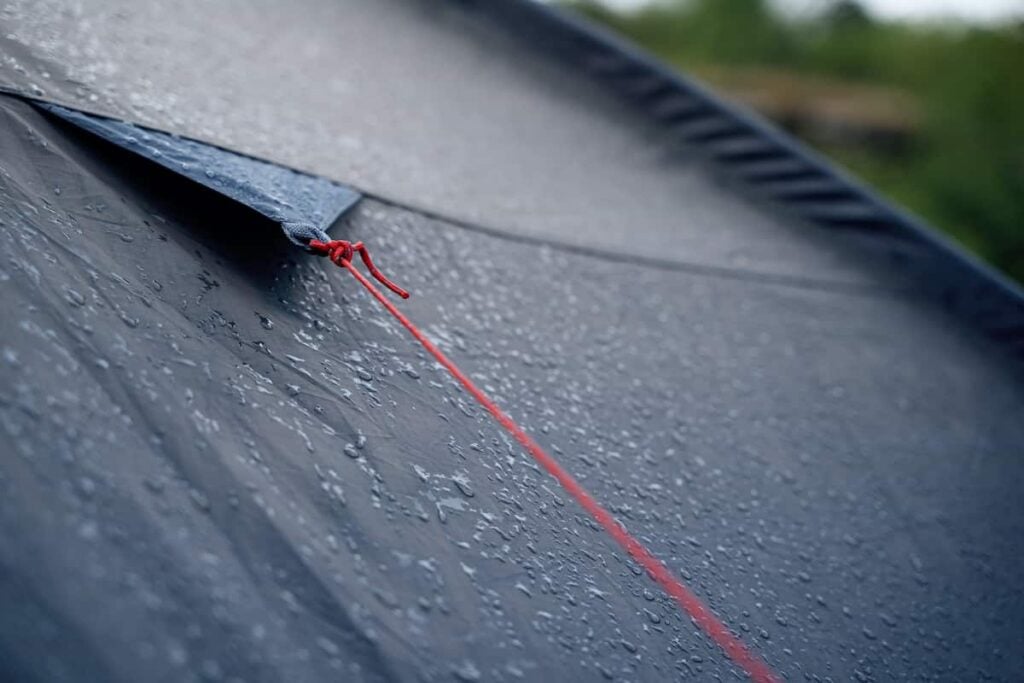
x,y
681,401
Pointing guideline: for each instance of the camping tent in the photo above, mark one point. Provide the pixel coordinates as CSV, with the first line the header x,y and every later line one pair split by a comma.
x,y
220,459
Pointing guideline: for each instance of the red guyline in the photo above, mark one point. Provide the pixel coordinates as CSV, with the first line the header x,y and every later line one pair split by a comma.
x,y
341,252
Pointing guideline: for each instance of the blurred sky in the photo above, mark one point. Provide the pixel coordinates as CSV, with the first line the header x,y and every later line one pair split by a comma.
x,y
974,10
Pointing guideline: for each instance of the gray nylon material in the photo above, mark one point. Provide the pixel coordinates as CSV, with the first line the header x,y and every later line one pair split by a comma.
x,y
418,101
305,206
222,459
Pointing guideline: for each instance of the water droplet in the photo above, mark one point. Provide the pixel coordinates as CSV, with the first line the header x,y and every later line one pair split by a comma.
x,y
328,646
462,482
200,500
73,297
467,671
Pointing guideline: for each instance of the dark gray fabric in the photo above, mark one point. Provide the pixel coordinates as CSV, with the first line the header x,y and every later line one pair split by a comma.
x,y
222,460
419,101
305,206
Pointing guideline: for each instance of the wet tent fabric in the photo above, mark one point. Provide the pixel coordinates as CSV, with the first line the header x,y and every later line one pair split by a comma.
x,y
304,205
599,146
224,461
429,104
221,460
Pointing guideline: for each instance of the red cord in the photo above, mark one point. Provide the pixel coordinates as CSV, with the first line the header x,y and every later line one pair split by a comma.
x,y
341,253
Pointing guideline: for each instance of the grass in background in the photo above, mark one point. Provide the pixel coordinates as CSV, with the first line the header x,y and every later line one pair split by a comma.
x,y
931,115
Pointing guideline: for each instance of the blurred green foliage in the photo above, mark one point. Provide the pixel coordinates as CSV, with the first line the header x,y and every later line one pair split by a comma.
x,y
964,167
